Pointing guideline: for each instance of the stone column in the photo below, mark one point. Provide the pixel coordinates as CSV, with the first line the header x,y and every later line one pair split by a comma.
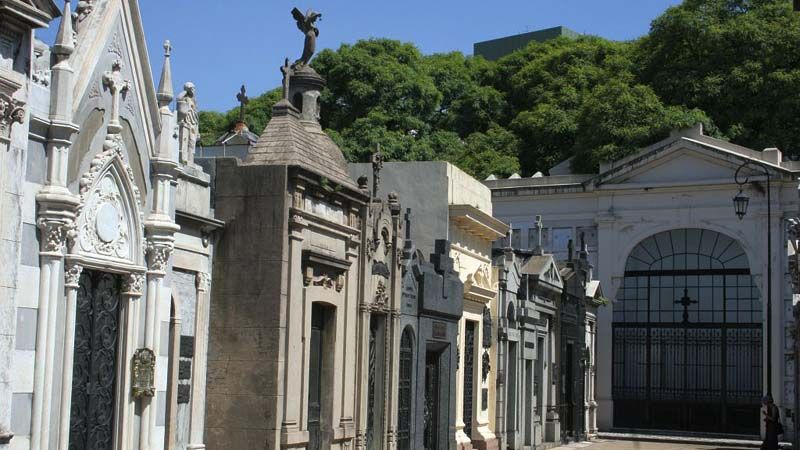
x,y
71,285
199,365
56,216
172,380
158,252
130,305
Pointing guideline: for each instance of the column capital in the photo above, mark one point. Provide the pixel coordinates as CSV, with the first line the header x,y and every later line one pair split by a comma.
x,y
11,111
132,284
54,234
158,254
72,275
203,281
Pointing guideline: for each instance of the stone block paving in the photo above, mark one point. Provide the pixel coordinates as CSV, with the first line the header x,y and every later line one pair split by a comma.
x,y
602,444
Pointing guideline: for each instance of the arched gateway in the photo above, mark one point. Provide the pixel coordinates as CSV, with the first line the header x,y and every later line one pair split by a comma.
x,y
687,336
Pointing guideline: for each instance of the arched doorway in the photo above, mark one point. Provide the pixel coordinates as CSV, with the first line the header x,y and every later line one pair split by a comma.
x,y
687,336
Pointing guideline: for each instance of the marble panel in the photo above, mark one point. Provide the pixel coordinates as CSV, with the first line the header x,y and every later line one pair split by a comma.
x,y
26,329
21,413
30,246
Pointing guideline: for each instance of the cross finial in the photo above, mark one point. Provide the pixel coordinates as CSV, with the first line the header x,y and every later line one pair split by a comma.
x,y
113,81
167,48
377,165
538,224
243,101
286,70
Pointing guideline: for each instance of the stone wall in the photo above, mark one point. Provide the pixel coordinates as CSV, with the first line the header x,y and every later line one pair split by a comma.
x,y
244,332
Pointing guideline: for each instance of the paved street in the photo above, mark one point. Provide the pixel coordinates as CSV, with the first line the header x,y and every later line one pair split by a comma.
x,y
637,445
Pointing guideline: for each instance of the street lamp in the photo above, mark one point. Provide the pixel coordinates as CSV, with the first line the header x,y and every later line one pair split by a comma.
x,y
740,202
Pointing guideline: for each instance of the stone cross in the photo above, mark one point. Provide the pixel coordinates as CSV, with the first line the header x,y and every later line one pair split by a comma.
x,y
243,101
539,227
686,302
377,165
113,81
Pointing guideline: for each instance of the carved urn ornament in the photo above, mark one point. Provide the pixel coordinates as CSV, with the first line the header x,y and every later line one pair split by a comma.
x,y
144,365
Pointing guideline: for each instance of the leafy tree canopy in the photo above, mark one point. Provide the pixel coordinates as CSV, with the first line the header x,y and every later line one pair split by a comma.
x,y
729,64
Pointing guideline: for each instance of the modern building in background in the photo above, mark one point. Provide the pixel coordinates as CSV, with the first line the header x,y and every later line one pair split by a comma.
x,y
683,343
497,48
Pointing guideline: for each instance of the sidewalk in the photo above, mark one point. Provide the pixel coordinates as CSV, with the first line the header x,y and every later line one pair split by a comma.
x,y
606,444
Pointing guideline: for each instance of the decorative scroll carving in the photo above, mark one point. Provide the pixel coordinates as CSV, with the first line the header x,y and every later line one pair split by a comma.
x,y
11,111
487,327
381,296
144,365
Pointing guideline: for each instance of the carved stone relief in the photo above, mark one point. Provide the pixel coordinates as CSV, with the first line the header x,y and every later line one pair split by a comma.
x,y
11,111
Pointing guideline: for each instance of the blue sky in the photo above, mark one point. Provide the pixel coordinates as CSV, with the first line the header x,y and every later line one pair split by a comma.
x,y
221,44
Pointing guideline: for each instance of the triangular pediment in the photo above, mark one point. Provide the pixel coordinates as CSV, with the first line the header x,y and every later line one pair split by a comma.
x,y
682,161
681,166
544,269
112,32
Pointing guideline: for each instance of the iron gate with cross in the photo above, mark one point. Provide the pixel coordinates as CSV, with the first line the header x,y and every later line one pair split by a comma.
x,y
687,336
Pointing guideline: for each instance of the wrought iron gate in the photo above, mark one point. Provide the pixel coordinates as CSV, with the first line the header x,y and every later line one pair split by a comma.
x,y
95,362
687,336
469,387
701,377
405,391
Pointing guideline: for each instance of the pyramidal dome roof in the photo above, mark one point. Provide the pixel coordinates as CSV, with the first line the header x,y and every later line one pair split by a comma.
x,y
294,137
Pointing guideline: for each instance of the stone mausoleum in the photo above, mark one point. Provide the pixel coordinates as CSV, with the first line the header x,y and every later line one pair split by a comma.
x,y
106,237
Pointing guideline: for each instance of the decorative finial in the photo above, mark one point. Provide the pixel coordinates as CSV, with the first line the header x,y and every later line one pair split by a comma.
x,y
243,101
307,24
165,94
64,45
377,165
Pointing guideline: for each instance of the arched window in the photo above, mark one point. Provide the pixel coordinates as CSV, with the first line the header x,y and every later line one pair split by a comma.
x,y
511,316
706,271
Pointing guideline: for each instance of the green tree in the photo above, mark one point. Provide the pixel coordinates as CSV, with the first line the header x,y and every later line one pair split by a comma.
x,y
737,60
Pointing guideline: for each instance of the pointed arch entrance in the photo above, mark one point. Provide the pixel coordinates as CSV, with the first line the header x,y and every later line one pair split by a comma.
x,y
687,336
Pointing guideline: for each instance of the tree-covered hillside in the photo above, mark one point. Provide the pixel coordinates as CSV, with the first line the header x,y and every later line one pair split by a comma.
x,y
732,64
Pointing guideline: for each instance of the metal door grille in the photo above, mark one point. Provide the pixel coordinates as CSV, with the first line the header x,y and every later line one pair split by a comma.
x,y
405,397
95,362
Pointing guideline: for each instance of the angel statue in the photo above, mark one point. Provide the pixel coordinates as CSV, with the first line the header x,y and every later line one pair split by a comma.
x,y
306,24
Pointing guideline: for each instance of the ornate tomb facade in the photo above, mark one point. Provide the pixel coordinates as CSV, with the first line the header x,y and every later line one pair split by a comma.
x,y
108,303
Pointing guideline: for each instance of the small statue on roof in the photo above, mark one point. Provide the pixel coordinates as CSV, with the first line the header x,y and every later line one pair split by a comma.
x,y
307,24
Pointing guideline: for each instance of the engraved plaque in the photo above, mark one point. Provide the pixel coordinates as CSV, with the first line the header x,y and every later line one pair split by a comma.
x,y
144,364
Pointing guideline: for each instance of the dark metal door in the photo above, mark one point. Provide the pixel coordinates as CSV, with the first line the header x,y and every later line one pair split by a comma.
x,y
432,413
405,391
315,379
469,387
567,412
687,339
95,362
